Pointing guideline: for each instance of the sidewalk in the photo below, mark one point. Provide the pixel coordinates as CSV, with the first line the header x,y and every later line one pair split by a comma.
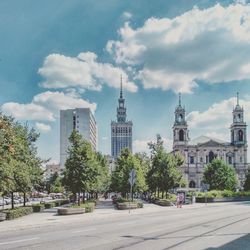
x,y
104,209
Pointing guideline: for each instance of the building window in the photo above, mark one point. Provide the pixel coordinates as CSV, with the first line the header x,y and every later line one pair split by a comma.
x,y
240,135
192,184
201,159
181,135
191,160
230,160
240,159
211,156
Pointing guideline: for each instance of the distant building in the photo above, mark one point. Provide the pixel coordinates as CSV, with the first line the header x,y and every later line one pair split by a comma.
x,y
83,121
50,170
121,130
202,150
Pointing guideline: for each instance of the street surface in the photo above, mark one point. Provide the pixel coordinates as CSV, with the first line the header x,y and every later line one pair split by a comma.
x,y
215,226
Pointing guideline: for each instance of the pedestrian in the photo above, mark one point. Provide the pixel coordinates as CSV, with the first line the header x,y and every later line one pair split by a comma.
x,y
181,199
178,200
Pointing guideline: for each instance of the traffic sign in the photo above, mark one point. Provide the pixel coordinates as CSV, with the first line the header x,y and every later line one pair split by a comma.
x,y
132,177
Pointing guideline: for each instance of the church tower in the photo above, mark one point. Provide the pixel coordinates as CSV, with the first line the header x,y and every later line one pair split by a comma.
x,y
180,128
238,127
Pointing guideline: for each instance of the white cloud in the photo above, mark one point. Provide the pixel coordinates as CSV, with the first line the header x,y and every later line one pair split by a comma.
x,y
219,115
59,100
30,111
142,145
43,128
83,72
210,44
216,120
46,105
127,15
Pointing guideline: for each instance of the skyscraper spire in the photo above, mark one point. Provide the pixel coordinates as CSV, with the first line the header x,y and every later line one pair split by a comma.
x,y
121,88
179,99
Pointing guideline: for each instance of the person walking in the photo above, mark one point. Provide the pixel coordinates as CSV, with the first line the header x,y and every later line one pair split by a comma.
x,y
181,199
178,200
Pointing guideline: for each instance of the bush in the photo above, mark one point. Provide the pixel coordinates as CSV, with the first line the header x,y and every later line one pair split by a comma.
x,y
89,206
38,208
139,204
17,212
48,205
122,200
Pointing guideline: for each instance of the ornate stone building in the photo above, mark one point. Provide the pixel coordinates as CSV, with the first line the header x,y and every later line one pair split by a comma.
x,y
202,150
121,130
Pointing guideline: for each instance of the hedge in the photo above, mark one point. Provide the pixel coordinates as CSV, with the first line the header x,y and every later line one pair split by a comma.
x,y
48,205
89,206
17,212
222,194
38,208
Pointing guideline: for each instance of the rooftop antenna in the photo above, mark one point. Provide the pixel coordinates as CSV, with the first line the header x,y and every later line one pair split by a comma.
x,y
180,99
121,87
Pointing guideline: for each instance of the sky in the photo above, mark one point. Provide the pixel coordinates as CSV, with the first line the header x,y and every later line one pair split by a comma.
x,y
60,54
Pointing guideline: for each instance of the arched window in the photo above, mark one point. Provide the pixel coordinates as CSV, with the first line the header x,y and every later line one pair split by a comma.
x,y
232,136
240,135
192,184
211,156
181,135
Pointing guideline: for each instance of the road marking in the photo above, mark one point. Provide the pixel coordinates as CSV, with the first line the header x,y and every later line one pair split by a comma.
x,y
18,241
84,230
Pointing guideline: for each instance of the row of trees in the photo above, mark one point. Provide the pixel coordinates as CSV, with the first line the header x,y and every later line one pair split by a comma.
x,y
20,166
156,174
87,171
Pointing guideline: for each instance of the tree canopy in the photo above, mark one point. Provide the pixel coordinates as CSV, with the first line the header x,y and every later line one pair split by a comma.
x,y
220,176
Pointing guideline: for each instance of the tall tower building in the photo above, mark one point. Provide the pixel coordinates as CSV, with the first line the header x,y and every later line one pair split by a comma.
x,y
80,119
121,130
180,128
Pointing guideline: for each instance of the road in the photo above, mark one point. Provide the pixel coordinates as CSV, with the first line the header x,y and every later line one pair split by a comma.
x,y
215,226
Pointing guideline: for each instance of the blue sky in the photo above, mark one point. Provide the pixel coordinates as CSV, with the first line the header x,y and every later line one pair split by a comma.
x,y
57,54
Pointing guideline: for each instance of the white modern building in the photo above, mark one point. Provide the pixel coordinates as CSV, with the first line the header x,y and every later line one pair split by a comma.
x,y
83,121
202,150
121,130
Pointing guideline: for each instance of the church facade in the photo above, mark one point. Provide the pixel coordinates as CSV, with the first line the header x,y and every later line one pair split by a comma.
x,y
202,150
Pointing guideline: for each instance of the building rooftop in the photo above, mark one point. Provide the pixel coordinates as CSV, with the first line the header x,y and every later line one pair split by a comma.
x,y
203,139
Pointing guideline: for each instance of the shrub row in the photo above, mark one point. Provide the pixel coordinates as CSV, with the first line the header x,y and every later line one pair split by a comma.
x,y
88,205
222,194
38,208
17,212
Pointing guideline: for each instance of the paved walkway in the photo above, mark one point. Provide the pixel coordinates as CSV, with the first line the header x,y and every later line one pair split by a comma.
x,y
104,209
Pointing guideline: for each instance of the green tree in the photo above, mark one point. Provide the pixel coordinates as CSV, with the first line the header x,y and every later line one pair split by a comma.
x,y
164,173
20,167
54,184
104,179
81,168
120,176
247,181
220,176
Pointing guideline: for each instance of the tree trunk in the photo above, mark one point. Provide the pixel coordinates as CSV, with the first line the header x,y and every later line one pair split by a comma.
x,y
79,201
96,195
162,194
24,199
12,200
158,192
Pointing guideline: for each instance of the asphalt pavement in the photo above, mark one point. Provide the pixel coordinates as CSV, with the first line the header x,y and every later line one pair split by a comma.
x,y
215,226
